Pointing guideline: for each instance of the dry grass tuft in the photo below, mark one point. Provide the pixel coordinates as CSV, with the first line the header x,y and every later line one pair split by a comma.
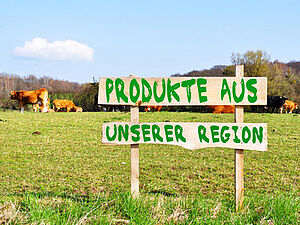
x,y
10,213
178,216
215,210
158,211
121,221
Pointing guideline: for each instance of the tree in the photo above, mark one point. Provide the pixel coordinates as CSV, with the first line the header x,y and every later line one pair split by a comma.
x,y
281,78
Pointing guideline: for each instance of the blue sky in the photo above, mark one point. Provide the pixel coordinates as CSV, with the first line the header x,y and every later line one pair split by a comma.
x,y
146,38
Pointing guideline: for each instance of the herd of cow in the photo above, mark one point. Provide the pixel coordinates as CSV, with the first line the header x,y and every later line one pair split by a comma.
x,y
40,101
274,104
277,104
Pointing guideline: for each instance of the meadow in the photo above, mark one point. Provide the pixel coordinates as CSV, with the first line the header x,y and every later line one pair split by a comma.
x,y
54,170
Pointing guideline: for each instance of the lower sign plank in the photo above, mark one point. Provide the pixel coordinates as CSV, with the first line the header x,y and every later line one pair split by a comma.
x,y
252,136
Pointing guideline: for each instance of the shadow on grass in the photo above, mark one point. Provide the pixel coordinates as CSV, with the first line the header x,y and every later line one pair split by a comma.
x,y
162,192
75,197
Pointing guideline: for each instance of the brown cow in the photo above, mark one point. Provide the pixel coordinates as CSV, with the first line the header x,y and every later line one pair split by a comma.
x,y
78,109
31,97
50,110
37,107
289,105
63,104
150,107
222,108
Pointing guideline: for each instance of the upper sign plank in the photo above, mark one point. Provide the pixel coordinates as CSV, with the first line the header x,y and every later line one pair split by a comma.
x,y
183,91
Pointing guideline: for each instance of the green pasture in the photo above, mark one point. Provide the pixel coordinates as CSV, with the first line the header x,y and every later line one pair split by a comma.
x,y
54,170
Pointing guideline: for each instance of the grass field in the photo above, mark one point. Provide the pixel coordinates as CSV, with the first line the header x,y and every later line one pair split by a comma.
x,y
54,170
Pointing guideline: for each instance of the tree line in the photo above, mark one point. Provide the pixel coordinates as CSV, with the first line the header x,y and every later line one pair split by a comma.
x,y
81,94
283,80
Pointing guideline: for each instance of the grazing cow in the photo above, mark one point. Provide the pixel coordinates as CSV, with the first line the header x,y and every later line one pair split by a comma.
x,y
63,104
273,102
76,109
289,105
150,108
37,107
50,110
222,108
39,97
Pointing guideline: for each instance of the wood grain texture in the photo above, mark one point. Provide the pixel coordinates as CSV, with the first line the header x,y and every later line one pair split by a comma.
x,y
239,153
134,157
212,90
187,134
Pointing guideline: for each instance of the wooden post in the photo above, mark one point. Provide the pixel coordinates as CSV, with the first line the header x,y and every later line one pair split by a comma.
x,y
134,155
239,153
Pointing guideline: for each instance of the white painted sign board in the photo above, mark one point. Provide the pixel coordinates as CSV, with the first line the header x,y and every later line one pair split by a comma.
x,y
252,136
183,91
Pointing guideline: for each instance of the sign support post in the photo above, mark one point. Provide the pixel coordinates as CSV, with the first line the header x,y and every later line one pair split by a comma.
x,y
134,156
239,153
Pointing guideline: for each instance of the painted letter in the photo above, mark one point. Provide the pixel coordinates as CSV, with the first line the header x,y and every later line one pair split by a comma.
x,y
163,94
145,85
214,132
168,132
188,84
146,131
241,97
258,134
113,137
134,130
201,81
123,132
178,133
119,83
244,131
171,91
236,139
134,84
252,89
202,134
155,133
109,88
225,90
227,135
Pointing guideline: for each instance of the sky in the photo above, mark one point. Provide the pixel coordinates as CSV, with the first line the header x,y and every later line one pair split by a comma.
x,y
79,40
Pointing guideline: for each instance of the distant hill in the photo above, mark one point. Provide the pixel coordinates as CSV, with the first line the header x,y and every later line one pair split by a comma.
x,y
217,71
295,65
289,87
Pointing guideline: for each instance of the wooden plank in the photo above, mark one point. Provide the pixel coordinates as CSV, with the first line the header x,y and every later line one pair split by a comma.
x,y
183,91
188,135
134,157
239,153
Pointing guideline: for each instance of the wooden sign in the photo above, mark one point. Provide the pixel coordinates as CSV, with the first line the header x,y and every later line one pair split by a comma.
x,y
252,136
238,91
183,91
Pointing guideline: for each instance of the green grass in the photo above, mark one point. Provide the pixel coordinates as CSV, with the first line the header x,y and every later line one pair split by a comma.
x,y
64,175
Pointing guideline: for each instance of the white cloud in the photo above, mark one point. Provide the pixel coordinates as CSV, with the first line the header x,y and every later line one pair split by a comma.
x,y
40,48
